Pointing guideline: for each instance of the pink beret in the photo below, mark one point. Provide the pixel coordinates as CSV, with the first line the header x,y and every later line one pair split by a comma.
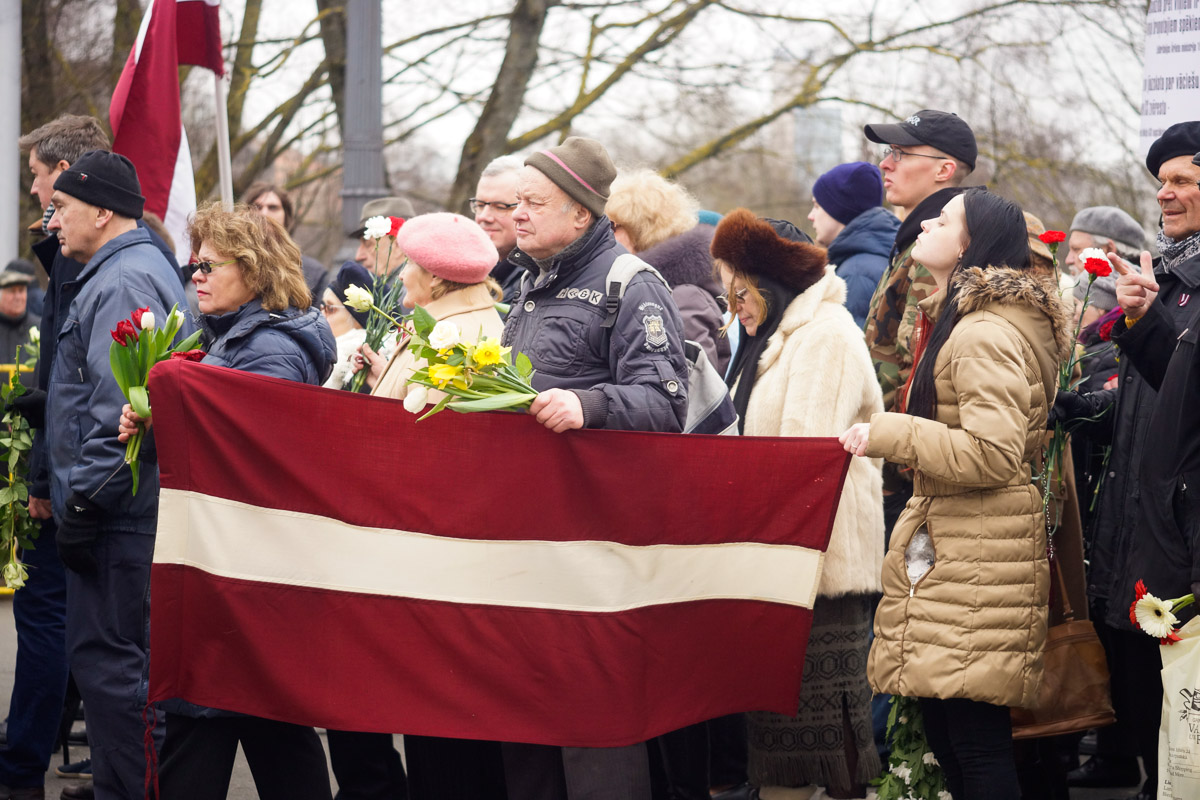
x,y
450,246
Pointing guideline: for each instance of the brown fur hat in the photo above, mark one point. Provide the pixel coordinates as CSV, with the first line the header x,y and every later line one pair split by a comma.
x,y
760,247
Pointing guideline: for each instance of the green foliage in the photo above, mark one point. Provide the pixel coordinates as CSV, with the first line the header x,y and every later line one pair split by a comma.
x,y
17,529
912,770
381,322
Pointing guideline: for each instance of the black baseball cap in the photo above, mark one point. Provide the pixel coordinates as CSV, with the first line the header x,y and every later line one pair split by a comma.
x,y
939,129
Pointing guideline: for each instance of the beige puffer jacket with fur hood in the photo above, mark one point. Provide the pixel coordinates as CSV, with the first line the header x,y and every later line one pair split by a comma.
x,y
974,626
815,379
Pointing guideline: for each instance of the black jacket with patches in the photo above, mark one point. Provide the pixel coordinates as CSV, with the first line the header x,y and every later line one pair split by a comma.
x,y
632,376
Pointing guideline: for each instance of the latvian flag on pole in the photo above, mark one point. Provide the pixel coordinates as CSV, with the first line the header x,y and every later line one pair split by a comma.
x,y
325,559
145,112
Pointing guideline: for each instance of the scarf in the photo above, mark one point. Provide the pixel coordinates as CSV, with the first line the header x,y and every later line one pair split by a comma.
x,y
744,371
1176,251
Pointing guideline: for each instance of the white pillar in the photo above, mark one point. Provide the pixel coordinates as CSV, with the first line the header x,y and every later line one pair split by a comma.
x,y
11,176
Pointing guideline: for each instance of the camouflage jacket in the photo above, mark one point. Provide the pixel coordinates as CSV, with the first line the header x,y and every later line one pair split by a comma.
x,y
891,321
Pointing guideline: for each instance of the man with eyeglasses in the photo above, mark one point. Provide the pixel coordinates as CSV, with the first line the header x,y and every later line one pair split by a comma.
x,y
623,373
493,204
105,532
927,157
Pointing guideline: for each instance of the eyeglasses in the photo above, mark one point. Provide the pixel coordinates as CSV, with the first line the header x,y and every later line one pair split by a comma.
x,y
479,206
896,154
740,294
206,267
329,308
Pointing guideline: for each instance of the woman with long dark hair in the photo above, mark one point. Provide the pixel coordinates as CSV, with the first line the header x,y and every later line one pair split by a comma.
x,y
962,623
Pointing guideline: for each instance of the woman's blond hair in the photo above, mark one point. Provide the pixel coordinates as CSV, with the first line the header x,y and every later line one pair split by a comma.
x,y
267,256
650,208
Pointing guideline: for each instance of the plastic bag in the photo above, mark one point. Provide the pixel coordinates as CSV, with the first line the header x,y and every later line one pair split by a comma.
x,y
1179,730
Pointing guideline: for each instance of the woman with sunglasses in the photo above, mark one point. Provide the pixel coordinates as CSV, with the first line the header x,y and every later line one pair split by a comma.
x,y
257,316
962,622
802,369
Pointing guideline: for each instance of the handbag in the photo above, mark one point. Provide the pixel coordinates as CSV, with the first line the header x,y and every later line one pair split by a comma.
x,y
1075,693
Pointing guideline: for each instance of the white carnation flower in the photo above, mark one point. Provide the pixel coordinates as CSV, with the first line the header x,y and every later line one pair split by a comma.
x,y
358,298
1092,252
944,795
928,759
1154,616
903,772
377,228
416,399
444,335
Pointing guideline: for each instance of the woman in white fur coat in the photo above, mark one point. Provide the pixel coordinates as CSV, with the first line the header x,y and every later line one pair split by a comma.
x,y
803,369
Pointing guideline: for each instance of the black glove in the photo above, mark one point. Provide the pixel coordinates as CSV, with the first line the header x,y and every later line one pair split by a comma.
x,y
1068,406
77,534
32,406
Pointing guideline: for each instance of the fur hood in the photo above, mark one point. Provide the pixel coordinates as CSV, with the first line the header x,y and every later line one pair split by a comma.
x,y
1004,286
684,259
768,248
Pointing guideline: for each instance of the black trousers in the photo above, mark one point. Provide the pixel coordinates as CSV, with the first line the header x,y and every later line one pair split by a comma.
x,y
287,761
973,743
1136,672
366,766
454,769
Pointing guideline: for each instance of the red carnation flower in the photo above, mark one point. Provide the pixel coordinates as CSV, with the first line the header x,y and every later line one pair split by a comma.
x,y
1106,330
136,316
124,332
188,355
1052,237
397,222
1098,267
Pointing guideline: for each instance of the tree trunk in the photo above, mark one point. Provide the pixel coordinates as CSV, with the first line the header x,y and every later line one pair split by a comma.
x,y
125,31
490,135
333,34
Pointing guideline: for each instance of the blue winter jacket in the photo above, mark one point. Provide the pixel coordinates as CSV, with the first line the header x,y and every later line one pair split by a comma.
x,y
861,253
84,402
291,344
632,376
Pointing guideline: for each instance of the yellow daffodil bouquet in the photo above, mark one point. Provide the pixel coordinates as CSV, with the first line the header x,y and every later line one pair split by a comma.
x,y
479,376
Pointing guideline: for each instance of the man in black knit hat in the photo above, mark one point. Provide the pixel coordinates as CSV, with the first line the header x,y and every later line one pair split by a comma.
x,y
105,532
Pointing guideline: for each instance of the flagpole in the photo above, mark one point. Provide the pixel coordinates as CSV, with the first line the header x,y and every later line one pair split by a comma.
x,y
224,165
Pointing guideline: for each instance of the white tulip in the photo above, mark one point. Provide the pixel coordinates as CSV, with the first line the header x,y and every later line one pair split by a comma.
x,y
148,321
358,298
416,399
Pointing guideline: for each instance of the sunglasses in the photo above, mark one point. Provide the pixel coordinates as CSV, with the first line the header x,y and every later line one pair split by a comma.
x,y
206,267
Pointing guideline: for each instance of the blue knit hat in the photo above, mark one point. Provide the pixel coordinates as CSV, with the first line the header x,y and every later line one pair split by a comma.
x,y
847,190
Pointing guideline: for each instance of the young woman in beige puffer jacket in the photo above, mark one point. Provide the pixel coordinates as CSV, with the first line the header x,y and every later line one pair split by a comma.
x,y
962,624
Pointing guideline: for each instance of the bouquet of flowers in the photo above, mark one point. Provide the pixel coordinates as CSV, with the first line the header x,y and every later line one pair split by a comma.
x,y
912,769
137,346
474,377
384,296
1096,265
1156,617
17,528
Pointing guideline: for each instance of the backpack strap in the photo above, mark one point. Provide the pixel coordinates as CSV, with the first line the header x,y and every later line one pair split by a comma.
x,y
622,271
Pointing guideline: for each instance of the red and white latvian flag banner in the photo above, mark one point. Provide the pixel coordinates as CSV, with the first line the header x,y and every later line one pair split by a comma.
x,y
325,559
145,112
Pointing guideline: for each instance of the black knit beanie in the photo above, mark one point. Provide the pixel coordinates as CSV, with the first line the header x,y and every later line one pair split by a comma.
x,y
104,179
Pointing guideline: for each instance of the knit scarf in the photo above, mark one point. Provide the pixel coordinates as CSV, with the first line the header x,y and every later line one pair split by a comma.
x,y
1176,251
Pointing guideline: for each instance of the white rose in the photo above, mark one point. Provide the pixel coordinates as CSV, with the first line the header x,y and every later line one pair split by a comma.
x,y
358,298
35,335
148,321
416,399
377,228
445,335
15,574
